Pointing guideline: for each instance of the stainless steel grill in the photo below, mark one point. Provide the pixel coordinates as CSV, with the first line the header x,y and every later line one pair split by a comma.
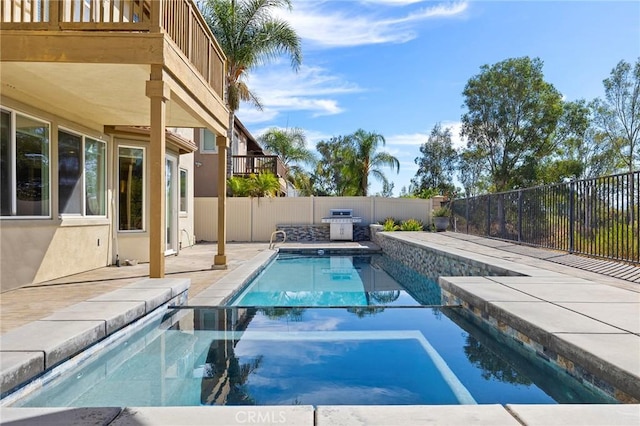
x,y
341,224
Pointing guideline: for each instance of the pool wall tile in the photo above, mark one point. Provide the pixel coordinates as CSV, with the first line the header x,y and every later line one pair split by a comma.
x,y
18,367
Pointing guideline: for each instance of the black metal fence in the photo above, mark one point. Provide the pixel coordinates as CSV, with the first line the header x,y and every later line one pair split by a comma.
x,y
595,217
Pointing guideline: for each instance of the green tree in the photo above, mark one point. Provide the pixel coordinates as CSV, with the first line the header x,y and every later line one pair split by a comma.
x,y
437,164
249,36
332,175
619,113
582,151
290,145
347,161
472,174
264,185
303,182
367,161
387,190
511,117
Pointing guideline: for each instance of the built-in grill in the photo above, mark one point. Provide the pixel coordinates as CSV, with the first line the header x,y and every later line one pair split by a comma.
x,y
341,224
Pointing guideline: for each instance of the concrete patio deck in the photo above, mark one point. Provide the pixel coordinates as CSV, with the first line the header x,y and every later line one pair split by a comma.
x,y
605,306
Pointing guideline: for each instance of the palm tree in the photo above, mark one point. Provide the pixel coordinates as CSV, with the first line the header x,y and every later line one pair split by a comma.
x,y
290,146
249,37
367,161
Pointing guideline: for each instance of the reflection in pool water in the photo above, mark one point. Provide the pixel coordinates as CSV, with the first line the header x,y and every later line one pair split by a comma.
x,y
357,355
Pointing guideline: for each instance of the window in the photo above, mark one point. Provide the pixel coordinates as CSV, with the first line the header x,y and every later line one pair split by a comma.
x,y
95,169
81,175
208,142
235,144
183,191
69,173
131,189
24,165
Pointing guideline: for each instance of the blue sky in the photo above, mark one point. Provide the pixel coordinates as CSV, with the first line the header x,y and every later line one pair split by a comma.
x,y
397,67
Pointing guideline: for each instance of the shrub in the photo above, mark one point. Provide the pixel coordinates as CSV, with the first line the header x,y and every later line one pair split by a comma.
x,y
411,225
238,186
441,212
390,225
261,185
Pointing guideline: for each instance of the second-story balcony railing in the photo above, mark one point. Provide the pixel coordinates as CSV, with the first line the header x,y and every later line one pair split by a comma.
x,y
244,165
181,20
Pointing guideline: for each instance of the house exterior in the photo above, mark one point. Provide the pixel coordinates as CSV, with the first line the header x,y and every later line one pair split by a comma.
x,y
245,157
99,100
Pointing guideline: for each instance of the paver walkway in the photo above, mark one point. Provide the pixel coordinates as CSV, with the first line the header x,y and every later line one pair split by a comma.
x,y
21,306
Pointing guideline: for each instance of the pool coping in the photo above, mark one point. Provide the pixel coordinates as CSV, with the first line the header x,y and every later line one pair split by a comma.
x,y
331,415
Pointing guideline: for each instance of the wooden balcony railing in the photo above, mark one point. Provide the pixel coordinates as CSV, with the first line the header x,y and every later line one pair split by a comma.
x,y
181,20
244,165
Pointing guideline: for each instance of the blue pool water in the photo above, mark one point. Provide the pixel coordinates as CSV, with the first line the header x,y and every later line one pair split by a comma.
x,y
282,356
334,281
315,330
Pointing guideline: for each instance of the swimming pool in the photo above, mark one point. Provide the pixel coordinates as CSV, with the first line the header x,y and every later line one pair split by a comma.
x,y
283,356
317,280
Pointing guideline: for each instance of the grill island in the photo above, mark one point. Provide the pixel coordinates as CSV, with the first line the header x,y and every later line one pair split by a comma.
x,y
341,224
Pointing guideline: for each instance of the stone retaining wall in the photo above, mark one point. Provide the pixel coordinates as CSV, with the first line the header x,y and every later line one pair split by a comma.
x,y
432,263
320,232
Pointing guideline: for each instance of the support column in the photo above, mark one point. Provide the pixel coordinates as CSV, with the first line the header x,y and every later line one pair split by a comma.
x,y
220,260
158,92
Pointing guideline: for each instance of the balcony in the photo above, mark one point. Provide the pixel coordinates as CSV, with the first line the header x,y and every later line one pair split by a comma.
x,y
69,51
245,165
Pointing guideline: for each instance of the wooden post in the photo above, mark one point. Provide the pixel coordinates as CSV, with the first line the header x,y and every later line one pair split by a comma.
x,y
220,260
158,91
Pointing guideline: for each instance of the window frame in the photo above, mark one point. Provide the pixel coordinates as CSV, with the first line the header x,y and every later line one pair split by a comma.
x,y
13,113
186,190
83,176
203,150
144,189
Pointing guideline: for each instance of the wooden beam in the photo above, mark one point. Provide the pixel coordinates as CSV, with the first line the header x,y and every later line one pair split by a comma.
x,y
158,92
88,47
220,260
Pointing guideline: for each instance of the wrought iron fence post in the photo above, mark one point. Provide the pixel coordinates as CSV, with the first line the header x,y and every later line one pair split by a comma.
x,y
572,212
466,212
489,215
519,215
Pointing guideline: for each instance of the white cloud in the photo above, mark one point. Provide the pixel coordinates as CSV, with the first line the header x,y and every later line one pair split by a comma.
x,y
456,127
393,2
407,139
319,25
251,115
312,136
417,139
279,89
